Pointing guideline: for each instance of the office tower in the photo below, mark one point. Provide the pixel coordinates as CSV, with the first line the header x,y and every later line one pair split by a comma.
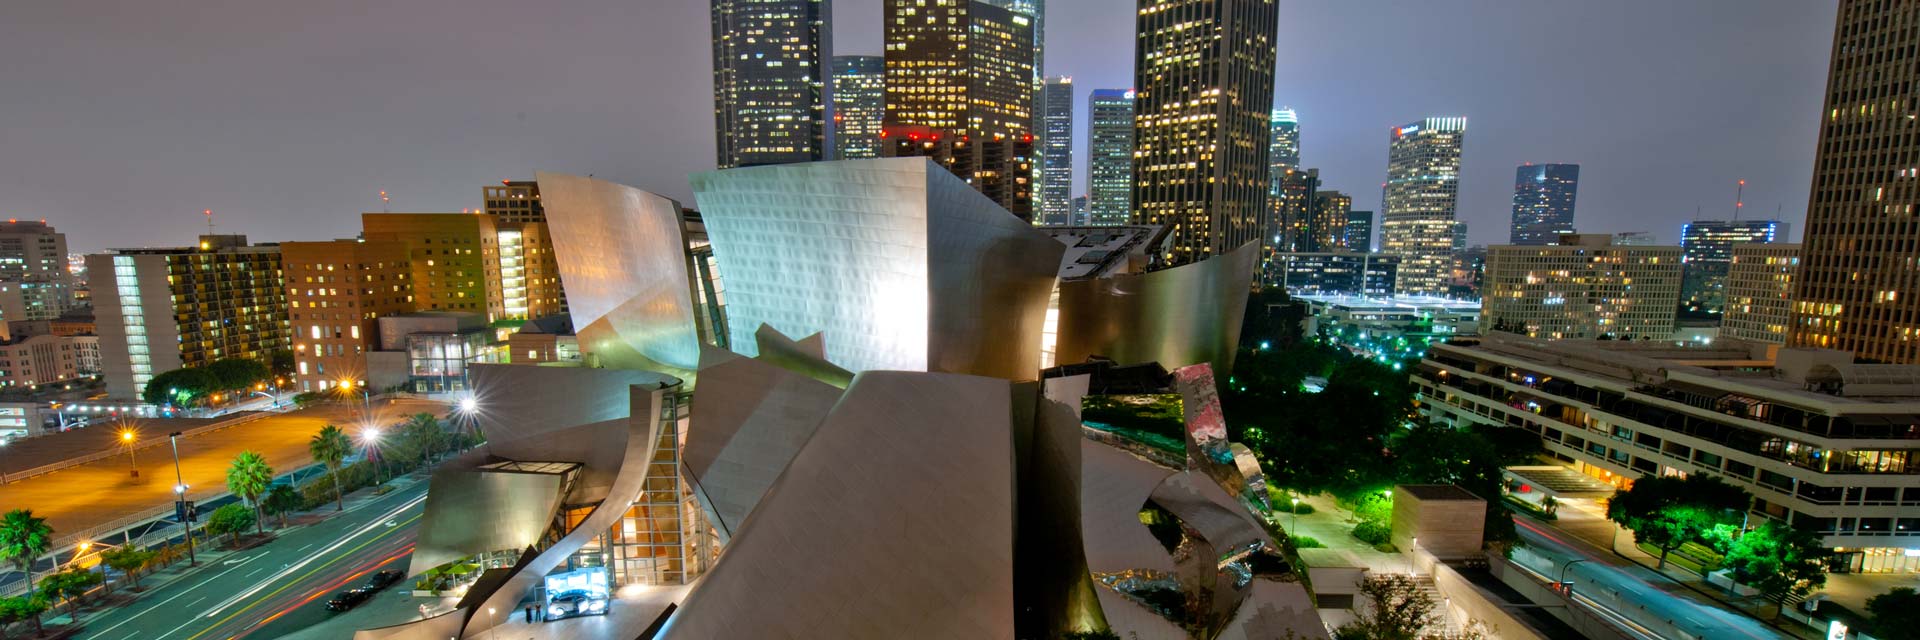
x,y
1290,200
1469,271
859,103
959,90
1582,287
455,258
1203,82
769,94
1543,196
1423,185
1080,212
1054,198
1760,291
1327,228
1283,152
1360,231
34,258
1110,156
1335,272
1709,249
1459,236
514,201
165,309
1635,239
1860,242
337,291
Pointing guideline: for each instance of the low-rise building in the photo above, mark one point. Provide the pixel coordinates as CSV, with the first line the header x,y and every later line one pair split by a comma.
x,y
1820,442
1379,324
1760,291
36,360
1335,272
1583,287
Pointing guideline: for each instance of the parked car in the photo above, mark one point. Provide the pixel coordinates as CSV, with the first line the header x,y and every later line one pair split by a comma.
x,y
383,579
576,603
349,599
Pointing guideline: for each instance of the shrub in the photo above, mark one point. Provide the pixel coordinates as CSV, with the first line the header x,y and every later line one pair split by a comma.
x,y
1373,533
1305,542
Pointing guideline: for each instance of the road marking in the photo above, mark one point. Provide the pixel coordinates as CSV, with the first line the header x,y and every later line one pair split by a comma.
x,y
316,555
197,601
183,592
297,580
309,545
256,570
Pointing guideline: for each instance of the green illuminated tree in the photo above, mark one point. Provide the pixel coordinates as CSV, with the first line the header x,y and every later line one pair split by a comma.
x,y
1667,512
248,478
231,520
179,387
23,538
329,447
129,561
281,500
1779,560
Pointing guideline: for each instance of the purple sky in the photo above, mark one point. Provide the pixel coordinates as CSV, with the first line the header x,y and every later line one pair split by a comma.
x,y
124,119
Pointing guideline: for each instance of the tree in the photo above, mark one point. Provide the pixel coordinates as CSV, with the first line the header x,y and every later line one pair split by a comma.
x,y
27,607
248,478
129,561
1667,512
424,435
329,447
281,362
282,499
23,539
237,373
1397,610
1779,560
70,585
231,520
1894,613
179,387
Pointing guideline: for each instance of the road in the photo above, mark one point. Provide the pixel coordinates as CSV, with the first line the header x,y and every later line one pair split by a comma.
x,y
280,586
1631,590
82,498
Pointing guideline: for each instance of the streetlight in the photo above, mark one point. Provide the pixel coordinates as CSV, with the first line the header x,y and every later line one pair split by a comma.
x,y
180,497
370,440
1296,515
1563,573
496,622
128,437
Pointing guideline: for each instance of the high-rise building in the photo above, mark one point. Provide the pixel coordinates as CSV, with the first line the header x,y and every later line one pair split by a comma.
x,y
1284,150
1360,231
769,90
1055,148
455,258
1203,82
1423,186
859,103
1110,156
1709,249
1543,196
337,291
1290,200
1080,212
1860,242
164,309
1582,287
514,201
1760,291
959,90
1327,227
33,257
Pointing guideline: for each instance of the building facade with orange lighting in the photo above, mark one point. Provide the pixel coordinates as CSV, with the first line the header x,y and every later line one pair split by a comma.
x,y
455,258
336,293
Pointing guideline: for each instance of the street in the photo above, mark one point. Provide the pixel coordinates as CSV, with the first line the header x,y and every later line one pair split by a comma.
x,y
281,586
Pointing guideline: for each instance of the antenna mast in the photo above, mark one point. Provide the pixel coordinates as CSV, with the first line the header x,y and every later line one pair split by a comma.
x,y
209,214
1739,197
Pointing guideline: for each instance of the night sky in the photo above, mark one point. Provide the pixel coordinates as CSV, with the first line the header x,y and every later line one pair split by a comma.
x,y
123,119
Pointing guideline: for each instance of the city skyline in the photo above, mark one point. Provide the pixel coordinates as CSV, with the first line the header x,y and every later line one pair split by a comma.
x,y
425,125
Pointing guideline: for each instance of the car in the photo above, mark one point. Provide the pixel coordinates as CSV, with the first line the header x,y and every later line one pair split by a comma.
x,y
383,579
576,603
349,599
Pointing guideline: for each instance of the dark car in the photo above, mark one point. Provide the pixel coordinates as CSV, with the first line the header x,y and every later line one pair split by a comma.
x,y
349,599
383,580
576,603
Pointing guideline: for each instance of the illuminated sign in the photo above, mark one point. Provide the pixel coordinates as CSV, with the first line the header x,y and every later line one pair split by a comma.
x,y
1836,630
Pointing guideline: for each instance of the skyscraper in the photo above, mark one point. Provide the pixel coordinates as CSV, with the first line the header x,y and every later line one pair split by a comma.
x,y
959,90
1860,240
1110,156
1290,200
1055,106
1543,196
1284,150
769,94
1327,226
1423,184
1707,251
1360,231
859,103
1203,80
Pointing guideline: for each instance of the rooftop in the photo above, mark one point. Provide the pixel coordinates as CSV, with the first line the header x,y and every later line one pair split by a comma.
x,y
1094,252
1401,302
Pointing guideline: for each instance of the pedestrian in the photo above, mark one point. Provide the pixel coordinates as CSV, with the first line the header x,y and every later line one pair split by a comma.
x,y
529,614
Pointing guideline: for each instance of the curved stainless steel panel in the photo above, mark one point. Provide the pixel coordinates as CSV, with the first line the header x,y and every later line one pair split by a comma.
x,y
1185,315
623,263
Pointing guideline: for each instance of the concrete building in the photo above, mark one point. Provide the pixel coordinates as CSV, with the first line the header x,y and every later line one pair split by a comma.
x,y
337,292
35,282
1283,151
431,351
1379,318
1334,272
1110,156
1360,231
1583,287
1543,200
1290,200
1327,226
29,361
1708,250
1821,443
1423,187
455,258
164,309
1203,91
1054,170
859,105
770,93
1853,292
514,201
1760,279
960,82
529,272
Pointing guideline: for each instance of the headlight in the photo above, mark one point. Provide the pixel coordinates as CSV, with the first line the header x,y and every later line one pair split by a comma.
x,y
597,605
555,610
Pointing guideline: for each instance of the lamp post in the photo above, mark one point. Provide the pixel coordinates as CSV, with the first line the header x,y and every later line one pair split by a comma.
x,y
3,470
370,440
180,497
1296,517
1563,573
128,438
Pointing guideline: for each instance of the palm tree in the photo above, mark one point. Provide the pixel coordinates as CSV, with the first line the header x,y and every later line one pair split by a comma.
x,y
282,499
424,433
23,538
330,447
248,478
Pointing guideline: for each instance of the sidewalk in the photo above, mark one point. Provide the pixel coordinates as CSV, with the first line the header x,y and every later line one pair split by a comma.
x,y
632,609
